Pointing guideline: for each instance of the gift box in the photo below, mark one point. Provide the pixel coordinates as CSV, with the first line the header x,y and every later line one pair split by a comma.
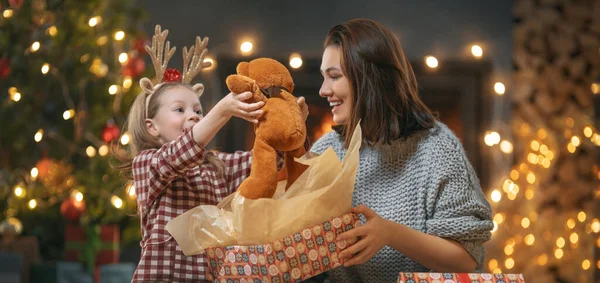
x,y
28,247
76,239
296,257
424,277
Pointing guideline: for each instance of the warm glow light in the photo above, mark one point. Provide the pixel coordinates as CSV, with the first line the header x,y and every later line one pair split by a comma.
x,y
509,263
477,51
530,178
52,31
571,223
570,122
510,186
595,88
16,97
546,163
112,89
525,222
102,40
103,150
560,242
585,265
495,227
431,62
213,63
116,201
246,47
496,196
119,35
19,192
45,68
587,132
532,158
497,271
78,196
512,195
571,148
499,218
499,88
35,46
575,141
38,135
506,146
529,193
529,240
90,151
295,61
131,191
595,226
94,21
492,138
34,172
544,149
7,13
68,114
514,174
574,238
492,264
508,250
595,139
581,216
558,253
123,58
127,82
542,259
125,139
32,204
550,155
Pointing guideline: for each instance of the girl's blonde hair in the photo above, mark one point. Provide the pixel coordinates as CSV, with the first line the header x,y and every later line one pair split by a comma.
x,y
141,139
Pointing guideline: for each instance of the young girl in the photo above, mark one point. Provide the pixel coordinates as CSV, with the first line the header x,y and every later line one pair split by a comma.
x,y
172,171
422,201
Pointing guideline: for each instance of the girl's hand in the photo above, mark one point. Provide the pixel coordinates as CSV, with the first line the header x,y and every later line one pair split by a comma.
x,y
302,102
234,105
372,237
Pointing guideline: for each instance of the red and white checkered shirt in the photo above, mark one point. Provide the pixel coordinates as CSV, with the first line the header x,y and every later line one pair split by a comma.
x,y
168,182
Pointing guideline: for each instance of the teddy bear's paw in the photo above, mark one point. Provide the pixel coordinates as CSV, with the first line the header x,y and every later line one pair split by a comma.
x,y
255,188
239,84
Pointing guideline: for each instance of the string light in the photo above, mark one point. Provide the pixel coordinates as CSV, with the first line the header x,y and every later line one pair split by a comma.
x,y
493,264
574,238
123,58
571,223
7,13
90,151
35,46
52,31
19,192
496,196
499,218
514,174
585,265
477,51
495,227
491,138
525,222
16,96
94,21
116,201
571,148
595,226
506,147
125,139
544,149
34,172
295,61
213,63
587,132
103,150
509,263
127,82
45,68
102,40
508,250
246,47
119,35
32,204
529,193
499,88
68,114
581,216
529,240
77,195
530,178
542,259
131,191
431,62
575,140
112,90
570,122
558,253
38,135
560,242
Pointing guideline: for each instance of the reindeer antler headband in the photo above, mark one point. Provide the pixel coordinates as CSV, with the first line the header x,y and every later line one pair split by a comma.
x,y
193,62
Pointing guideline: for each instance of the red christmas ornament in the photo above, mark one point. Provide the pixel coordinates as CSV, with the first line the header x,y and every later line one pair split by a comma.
x,y
110,132
134,68
16,3
140,46
72,209
4,68
171,75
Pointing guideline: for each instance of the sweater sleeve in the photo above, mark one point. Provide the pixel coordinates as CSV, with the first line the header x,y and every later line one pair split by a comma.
x,y
458,208
323,143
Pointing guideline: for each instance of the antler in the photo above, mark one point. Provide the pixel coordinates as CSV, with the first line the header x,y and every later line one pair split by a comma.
x,y
156,52
197,60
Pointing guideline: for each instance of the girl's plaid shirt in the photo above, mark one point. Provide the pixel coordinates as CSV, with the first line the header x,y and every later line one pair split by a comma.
x,y
168,182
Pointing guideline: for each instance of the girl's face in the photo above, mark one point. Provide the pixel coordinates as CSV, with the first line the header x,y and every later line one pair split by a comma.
x,y
179,109
336,87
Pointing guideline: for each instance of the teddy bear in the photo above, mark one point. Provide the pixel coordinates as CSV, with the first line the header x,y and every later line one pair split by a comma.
x,y
280,128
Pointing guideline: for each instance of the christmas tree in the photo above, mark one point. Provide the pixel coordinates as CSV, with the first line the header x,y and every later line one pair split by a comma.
x,y
67,77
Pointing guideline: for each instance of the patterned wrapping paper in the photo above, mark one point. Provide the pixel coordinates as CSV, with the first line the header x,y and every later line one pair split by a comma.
x,y
297,257
406,277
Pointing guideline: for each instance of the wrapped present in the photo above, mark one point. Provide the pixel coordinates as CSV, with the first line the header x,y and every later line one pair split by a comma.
x,y
425,277
28,246
76,239
296,257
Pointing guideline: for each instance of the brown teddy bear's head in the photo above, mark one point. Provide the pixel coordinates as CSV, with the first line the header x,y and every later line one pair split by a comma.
x,y
267,73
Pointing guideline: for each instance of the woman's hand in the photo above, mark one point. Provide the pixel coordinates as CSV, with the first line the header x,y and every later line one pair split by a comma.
x,y
372,237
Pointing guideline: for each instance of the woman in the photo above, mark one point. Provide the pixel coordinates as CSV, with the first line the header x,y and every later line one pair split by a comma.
x,y
421,199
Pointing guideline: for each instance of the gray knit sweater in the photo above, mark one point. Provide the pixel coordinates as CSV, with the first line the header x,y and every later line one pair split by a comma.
x,y
424,182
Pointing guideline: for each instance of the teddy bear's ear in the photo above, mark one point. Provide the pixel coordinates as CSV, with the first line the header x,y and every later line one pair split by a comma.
x,y
243,68
199,89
